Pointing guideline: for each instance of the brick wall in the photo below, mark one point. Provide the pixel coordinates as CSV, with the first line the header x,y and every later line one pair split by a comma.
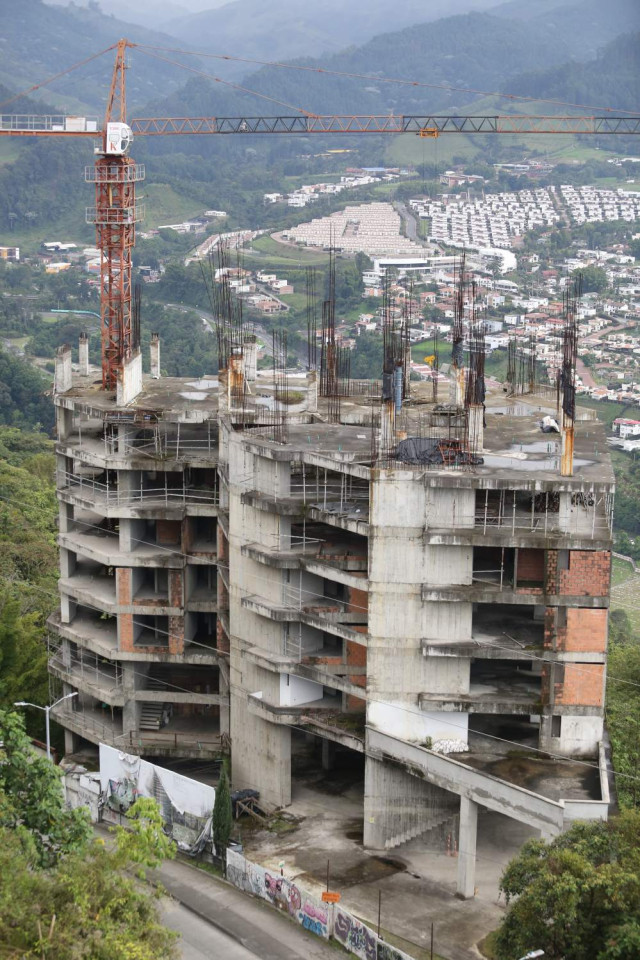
x,y
176,635
356,656
530,565
123,585
168,532
175,588
588,573
222,640
583,685
586,630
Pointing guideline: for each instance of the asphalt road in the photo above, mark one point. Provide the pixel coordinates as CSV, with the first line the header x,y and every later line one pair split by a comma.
x,y
214,916
200,940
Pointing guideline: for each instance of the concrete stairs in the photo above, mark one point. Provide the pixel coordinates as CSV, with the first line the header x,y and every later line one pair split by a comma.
x,y
435,827
151,716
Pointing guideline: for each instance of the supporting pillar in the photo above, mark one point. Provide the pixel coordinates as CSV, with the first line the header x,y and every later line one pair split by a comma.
x,y
154,349
476,428
328,754
83,355
467,841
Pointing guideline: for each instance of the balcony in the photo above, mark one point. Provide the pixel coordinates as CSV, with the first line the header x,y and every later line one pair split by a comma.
x,y
497,632
494,689
109,500
96,677
104,547
88,630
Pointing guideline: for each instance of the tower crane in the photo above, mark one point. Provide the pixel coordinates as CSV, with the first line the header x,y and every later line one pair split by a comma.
x,y
115,174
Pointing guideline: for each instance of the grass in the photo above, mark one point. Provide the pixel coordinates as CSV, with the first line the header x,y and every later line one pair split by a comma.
x,y
164,205
284,253
487,946
625,592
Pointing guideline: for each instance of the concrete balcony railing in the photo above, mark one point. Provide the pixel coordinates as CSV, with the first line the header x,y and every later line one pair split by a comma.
x,y
101,681
111,500
93,725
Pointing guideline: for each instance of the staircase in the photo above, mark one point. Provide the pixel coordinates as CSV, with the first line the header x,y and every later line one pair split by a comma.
x,y
435,829
151,716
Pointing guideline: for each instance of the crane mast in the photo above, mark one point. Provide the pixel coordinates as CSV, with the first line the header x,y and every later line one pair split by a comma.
x,y
115,215
115,175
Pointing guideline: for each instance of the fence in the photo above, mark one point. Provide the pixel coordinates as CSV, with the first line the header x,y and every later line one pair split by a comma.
x,y
326,920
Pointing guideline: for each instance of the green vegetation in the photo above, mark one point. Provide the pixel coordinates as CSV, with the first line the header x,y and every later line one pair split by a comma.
x,y
22,394
576,897
64,896
28,567
222,814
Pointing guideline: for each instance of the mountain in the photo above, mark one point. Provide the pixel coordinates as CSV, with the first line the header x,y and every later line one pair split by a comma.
x,y
474,51
144,12
39,41
586,25
611,80
282,29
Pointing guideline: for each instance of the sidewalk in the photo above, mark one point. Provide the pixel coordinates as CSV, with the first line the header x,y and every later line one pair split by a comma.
x,y
256,925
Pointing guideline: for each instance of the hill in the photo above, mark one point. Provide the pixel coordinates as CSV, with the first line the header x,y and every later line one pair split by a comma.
x,y
39,40
586,25
283,29
611,79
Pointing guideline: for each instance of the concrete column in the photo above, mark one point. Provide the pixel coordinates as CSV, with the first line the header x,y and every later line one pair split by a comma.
x,y
70,741
129,382
328,754
155,356
467,842
312,391
62,375
476,428
83,355
250,350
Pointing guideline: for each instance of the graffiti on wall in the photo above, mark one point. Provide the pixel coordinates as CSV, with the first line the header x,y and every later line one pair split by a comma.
x,y
355,936
387,952
323,919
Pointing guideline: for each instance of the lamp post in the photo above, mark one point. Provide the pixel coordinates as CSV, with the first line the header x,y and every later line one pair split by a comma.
x,y
26,703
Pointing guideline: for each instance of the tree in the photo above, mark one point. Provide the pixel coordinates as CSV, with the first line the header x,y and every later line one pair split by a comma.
x,y
64,895
34,805
222,814
594,279
576,897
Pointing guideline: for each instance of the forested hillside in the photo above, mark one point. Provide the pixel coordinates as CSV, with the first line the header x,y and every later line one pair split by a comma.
x,y
28,565
612,79
39,40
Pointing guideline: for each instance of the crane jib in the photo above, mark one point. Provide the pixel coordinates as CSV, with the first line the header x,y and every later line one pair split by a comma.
x,y
424,126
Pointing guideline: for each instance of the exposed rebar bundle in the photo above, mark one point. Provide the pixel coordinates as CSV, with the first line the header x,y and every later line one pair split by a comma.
x,y
312,319
567,379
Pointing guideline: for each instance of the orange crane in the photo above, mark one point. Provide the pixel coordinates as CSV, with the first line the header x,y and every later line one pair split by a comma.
x,y
115,173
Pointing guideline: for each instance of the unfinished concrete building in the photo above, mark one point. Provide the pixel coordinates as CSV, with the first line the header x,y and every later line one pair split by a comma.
x,y
428,603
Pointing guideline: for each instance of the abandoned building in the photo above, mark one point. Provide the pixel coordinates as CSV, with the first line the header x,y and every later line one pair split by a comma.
x,y
241,569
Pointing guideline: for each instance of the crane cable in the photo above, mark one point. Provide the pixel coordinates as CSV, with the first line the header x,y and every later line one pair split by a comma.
x,y
378,79
228,83
43,83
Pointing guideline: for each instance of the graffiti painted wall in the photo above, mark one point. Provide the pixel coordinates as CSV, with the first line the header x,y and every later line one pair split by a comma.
x,y
323,919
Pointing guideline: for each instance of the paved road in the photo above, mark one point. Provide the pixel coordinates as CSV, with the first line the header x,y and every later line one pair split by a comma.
x,y
200,940
252,925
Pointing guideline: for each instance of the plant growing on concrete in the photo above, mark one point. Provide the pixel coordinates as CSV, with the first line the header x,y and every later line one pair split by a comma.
x,y
222,814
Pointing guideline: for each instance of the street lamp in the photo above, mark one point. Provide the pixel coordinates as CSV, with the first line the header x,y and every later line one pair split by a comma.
x,y
25,703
